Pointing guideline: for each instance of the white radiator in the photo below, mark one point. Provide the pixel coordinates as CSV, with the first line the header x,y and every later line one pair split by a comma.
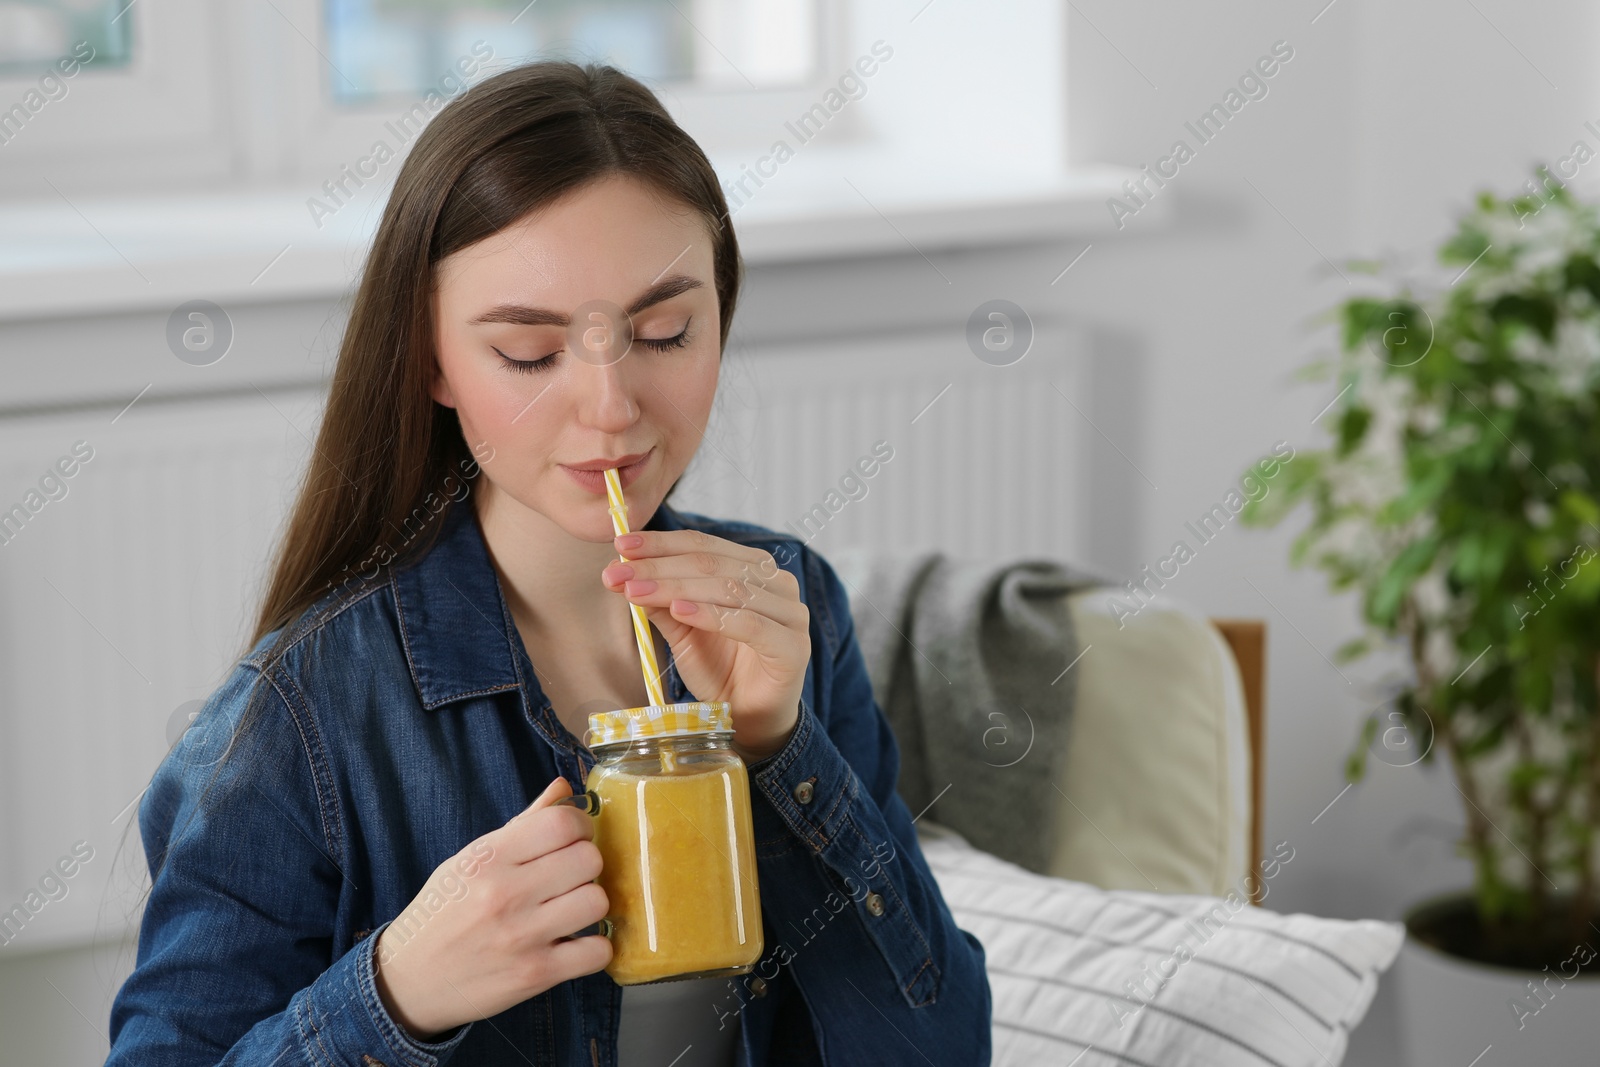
x,y
987,461
119,603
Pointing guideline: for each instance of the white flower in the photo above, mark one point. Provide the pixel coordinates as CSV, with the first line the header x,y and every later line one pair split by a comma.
x,y
1576,353
1503,230
1427,418
1528,345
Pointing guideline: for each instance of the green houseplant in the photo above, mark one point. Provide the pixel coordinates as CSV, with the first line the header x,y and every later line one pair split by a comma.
x,y
1460,497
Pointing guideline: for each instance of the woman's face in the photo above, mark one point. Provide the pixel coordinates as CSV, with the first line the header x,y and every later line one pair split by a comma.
x,y
531,331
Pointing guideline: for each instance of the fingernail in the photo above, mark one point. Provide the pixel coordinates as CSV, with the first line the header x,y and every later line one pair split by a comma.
x,y
685,607
629,541
535,802
640,587
619,572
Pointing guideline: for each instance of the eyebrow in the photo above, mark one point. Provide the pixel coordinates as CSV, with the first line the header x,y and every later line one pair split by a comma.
x,y
522,315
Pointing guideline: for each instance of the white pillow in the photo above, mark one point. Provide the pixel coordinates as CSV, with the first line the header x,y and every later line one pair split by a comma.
x,y
1067,963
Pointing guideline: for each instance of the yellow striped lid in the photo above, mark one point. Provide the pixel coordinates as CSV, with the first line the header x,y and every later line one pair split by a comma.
x,y
655,721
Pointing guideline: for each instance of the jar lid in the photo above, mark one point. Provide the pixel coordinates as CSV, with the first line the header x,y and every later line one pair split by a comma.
x,y
655,721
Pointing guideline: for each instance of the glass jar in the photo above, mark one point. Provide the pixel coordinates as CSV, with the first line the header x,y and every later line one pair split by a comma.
x,y
672,809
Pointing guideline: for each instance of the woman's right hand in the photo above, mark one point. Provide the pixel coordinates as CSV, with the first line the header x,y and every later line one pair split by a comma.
x,y
485,931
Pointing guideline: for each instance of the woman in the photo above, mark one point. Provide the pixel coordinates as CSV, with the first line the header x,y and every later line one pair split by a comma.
x,y
345,863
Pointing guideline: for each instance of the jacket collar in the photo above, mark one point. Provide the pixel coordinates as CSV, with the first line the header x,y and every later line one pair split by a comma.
x,y
458,634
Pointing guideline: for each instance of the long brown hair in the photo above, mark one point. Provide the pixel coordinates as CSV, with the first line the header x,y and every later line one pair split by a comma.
x,y
508,146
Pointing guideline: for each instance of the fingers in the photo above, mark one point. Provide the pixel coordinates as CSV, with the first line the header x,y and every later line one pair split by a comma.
x,y
768,637
665,556
707,571
562,871
559,787
580,956
543,827
565,915
694,543
727,593
763,572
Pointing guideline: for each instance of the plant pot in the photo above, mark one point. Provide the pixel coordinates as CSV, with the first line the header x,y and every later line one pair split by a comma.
x,y
1451,1009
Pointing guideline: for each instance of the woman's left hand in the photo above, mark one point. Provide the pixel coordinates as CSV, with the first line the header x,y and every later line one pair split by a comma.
x,y
734,620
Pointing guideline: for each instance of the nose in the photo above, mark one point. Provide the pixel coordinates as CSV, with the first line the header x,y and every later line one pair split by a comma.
x,y
607,403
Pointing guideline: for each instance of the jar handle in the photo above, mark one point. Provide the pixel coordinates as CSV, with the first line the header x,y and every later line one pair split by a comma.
x,y
586,801
604,927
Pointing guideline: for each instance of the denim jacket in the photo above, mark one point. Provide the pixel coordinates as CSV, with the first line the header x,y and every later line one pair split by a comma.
x,y
402,722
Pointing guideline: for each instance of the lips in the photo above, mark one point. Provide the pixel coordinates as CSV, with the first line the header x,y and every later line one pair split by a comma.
x,y
603,464
590,474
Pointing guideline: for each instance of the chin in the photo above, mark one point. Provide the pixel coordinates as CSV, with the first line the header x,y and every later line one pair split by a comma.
x,y
591,523
600,532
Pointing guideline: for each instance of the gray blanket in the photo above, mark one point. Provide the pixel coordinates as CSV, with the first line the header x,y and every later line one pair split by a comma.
x,y
969,661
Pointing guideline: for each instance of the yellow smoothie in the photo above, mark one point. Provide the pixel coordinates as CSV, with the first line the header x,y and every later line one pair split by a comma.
x,y
678,869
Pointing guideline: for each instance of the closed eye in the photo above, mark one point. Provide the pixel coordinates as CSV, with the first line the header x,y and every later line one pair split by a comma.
x,y
531,366
661,344
526,366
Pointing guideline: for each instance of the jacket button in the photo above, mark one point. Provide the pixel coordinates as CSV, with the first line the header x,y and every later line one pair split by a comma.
x,y
758,987
803,792
361,934
875,903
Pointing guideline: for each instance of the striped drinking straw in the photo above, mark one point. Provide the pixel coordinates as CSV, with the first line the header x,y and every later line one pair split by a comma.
x,y
641,625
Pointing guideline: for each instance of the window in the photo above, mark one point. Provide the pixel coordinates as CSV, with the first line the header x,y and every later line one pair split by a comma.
x,y
37,33
110,96
397,47
198,93
227,130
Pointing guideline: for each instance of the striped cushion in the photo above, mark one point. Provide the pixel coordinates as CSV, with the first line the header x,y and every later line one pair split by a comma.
x,y
1077,972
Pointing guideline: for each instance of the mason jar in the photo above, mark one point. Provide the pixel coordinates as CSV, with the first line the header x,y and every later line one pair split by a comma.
x,y
671,800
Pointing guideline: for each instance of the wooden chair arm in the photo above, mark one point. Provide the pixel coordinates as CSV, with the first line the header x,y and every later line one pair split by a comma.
x,y
1248,640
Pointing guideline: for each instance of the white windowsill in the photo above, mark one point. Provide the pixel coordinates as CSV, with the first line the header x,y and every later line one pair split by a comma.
x,y
152,253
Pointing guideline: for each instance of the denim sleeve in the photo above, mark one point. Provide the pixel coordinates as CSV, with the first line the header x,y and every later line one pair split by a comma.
x,y
235,948
868,935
